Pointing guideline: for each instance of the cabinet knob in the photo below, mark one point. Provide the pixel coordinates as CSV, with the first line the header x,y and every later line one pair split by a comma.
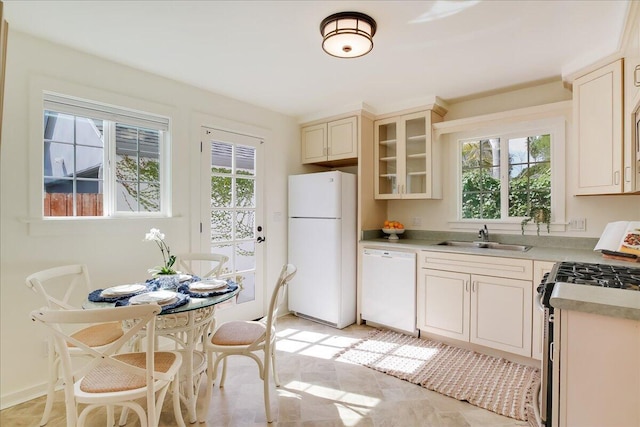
x,y
636,79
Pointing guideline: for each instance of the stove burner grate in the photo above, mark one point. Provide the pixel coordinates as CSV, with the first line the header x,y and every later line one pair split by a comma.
x,y
604,275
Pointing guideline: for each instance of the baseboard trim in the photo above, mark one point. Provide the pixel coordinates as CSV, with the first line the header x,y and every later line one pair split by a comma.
x,y
12,399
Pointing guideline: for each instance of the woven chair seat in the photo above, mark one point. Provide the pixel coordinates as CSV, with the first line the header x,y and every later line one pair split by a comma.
x,y
106,379
99,335
238,333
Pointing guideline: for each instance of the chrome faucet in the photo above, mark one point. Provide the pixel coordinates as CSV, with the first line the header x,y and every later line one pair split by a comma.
x,y
483,233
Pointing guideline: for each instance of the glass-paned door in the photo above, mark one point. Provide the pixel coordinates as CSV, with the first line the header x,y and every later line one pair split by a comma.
x,y
416,155
387,165
232,213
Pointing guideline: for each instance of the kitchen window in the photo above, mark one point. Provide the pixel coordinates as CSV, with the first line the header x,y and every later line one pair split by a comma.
x,y
102,161
506,173
506,176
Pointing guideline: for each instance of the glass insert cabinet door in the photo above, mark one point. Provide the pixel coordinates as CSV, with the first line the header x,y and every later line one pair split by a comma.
x,y
387,157
403,156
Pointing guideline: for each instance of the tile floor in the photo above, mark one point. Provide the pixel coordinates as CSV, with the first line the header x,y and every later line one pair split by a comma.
x,y
316,391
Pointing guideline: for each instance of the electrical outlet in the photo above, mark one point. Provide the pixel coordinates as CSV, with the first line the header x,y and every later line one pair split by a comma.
x,y
416,221
578,224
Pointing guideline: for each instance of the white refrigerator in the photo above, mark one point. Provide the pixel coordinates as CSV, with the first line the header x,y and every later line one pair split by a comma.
x,y
322,245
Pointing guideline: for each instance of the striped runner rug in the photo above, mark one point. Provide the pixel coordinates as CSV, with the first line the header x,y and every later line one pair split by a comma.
x,y
492,383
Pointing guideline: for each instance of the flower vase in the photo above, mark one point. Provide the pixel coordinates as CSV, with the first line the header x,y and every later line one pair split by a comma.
x,y
169,282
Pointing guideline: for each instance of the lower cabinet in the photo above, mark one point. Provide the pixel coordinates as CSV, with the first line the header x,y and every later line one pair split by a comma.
x,y
483,309
598,374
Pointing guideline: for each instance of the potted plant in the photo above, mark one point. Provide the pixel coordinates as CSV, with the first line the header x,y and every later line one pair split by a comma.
x,y
538,216
167,276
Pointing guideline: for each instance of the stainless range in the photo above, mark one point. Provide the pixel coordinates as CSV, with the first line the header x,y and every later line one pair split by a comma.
x,y
626,277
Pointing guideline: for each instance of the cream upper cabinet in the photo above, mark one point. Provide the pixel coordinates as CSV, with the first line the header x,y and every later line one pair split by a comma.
x,y
314,143
597,109
407,162
631,150
331,141
540,268
480,299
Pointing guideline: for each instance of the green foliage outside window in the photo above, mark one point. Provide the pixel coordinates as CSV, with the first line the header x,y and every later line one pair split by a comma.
x,y
222,222
529,189
480,195
130,177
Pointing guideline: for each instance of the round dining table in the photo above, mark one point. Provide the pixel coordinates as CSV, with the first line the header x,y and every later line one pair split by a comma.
x,y
187,326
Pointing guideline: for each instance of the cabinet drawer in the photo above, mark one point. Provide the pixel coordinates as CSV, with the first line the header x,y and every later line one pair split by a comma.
x,y
478,264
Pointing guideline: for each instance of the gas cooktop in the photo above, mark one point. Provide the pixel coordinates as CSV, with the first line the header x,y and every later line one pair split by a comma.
x,y
589,274
604,275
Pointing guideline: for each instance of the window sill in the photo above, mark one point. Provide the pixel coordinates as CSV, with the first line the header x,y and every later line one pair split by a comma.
x,y
64,226
505,226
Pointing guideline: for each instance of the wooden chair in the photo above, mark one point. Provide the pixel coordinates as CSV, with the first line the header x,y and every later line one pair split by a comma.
x,y
246,338
189,263
110,379
57,286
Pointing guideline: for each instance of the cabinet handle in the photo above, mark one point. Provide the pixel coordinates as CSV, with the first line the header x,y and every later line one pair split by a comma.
x,y
551,350
627,174
466,285
473,286
616,177
636,80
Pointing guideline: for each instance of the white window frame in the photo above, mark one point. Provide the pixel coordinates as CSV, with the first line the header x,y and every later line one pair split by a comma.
x,y
556,127
111,115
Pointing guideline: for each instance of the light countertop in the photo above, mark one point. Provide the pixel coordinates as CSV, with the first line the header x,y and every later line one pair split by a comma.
x,y
621,303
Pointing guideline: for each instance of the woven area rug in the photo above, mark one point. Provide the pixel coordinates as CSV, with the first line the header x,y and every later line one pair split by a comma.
x,y
495,384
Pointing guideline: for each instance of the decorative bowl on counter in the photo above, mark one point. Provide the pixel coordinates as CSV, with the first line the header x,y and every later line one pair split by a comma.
x,y
393,232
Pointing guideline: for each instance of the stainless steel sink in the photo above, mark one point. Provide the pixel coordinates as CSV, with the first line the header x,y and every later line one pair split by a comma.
x,y
486,245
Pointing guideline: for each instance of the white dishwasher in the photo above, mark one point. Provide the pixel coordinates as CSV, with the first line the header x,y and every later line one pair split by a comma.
x,y
389,289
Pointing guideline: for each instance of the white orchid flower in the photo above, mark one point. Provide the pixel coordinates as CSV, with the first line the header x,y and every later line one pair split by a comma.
x,y
154,235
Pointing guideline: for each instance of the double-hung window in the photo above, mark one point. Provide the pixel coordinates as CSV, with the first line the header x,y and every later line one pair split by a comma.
x,y
101,160
506,177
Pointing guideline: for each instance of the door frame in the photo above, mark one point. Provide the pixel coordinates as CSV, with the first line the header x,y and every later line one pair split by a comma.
x,y
198,122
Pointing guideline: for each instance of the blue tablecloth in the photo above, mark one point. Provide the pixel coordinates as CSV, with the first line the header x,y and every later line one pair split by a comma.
x,y
183,293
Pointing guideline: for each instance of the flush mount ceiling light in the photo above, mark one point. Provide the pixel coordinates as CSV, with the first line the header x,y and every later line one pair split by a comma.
x,y
347,34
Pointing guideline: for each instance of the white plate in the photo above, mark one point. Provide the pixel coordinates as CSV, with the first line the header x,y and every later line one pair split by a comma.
x,y
157,297
117,291
184,277
208,285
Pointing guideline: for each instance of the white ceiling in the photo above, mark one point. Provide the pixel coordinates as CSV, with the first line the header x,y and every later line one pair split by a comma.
x,y
268,53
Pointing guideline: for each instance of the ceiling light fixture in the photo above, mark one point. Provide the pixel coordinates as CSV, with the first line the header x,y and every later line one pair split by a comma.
x,y
347,34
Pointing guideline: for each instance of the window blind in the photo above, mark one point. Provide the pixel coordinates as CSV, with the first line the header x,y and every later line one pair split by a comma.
x,y
92,109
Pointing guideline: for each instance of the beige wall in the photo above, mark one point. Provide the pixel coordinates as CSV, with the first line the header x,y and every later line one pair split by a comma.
x,y
598,210
113,250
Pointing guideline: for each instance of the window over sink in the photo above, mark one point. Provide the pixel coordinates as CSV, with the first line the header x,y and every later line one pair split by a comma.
x,y
505,172
505,176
